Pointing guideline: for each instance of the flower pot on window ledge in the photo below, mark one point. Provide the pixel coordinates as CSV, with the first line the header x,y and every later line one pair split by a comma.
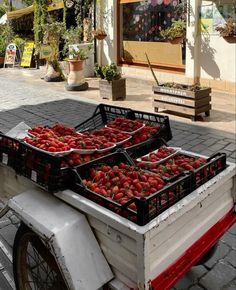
x,y
176,40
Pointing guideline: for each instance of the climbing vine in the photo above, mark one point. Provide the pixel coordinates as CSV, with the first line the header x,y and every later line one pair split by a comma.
x,y
40,13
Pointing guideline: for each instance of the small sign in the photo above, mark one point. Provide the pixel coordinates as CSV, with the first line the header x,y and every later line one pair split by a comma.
x,y
45,51
27,54
10,56
55,5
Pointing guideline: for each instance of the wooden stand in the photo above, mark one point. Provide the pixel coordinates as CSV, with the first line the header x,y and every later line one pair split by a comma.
x,y
114,90
182,101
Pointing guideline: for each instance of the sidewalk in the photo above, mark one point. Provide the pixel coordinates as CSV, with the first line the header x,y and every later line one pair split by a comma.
x,y
139,97
24,96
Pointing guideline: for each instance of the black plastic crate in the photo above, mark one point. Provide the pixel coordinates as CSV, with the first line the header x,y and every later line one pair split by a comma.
x,y
147,207
214,165
49,172
105,113
9,151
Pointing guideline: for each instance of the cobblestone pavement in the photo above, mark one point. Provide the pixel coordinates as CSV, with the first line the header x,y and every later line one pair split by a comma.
x,y
43,105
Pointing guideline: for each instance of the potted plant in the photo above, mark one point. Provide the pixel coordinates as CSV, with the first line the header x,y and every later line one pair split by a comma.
x,y
73,38
111,85
99,34
228,30
75,80
186,99
176,32
102,22
52,31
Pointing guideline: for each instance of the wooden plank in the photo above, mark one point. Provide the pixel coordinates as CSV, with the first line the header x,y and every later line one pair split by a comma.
x,y
158,52
182,109
182,101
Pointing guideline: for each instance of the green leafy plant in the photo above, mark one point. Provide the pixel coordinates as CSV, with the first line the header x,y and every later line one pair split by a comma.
x,y
108,72
80,53
6,35
229,28
19,42
177,29
71,36
52,32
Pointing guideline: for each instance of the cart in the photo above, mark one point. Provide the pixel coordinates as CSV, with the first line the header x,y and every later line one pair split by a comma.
x,y
67,241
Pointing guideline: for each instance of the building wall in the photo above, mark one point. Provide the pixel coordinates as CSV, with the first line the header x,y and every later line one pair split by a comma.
x,y
209,58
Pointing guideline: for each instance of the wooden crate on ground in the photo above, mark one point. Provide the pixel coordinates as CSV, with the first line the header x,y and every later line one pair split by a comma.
x,y
113,90
183,101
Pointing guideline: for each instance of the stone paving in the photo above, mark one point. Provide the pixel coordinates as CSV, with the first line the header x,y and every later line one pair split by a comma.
x,y
41,103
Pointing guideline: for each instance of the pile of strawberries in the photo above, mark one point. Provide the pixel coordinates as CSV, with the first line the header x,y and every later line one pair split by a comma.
x,y
158,155
125,125
59,137
122,182
174,166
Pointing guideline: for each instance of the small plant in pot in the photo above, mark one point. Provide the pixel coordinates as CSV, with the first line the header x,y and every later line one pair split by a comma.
x,y
176,32
75,80
228,30
111,85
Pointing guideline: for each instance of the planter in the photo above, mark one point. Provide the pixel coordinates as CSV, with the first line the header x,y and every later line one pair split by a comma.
x,y
176,40
183,101
75,80
230,39
99,36
52,75
89,62
114,90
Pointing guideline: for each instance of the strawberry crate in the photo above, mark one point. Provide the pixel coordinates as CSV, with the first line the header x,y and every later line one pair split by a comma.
x,y
49,172
214,165
106,113
9,151
203,169
138,209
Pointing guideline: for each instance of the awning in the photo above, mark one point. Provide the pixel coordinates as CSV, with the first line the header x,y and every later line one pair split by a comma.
x,y
19,13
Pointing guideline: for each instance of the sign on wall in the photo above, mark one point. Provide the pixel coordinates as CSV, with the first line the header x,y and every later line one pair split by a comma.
x,y
55,5
27,54
45,51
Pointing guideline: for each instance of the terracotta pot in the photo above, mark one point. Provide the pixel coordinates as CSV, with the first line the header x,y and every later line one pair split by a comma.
x,y
230,39
75,65
76,74
176,40
99,36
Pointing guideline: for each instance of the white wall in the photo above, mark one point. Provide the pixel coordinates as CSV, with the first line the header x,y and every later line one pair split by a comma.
x,y
108,45
218,59
209,56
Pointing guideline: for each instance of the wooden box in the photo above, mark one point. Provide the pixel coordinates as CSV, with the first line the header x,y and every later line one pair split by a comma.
x,y
114,90
183,101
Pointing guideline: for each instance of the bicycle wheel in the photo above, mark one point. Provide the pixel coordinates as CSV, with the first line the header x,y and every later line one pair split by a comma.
x,y
34,266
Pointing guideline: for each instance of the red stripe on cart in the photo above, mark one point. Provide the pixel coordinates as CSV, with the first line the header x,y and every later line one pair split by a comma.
x,y
190,257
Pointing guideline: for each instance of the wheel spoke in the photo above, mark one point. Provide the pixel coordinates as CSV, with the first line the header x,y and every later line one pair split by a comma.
x,y
36,266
